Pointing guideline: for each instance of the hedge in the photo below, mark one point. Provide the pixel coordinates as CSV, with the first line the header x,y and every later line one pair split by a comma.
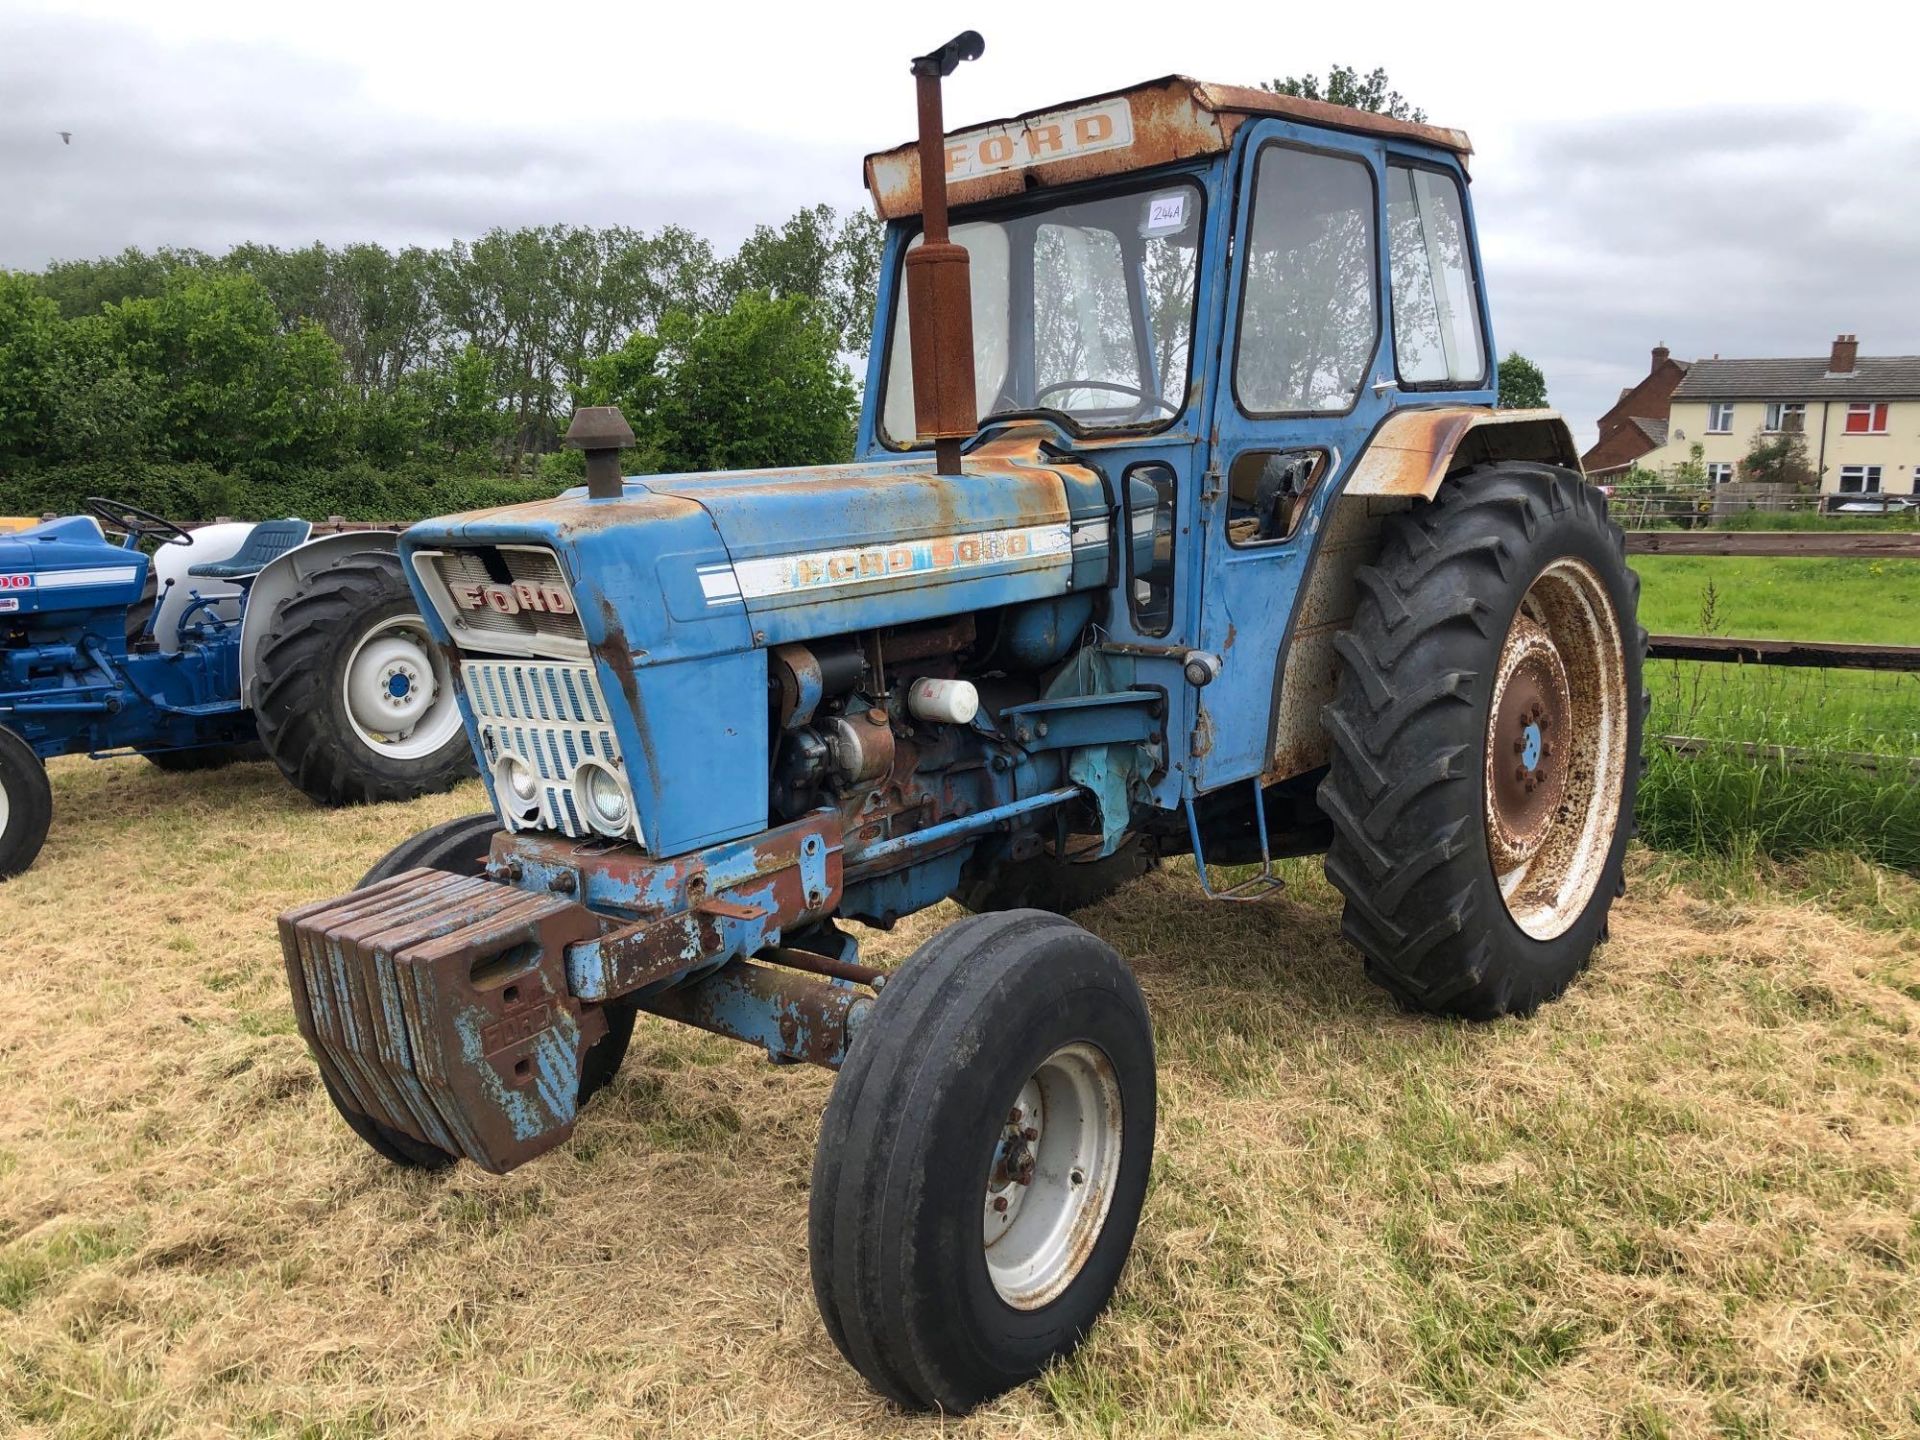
x,y
201,492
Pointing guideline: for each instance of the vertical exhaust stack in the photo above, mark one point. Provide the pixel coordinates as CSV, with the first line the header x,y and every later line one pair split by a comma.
x,y
602,431
939,295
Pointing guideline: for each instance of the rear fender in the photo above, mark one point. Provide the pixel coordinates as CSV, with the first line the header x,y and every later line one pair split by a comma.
x,y
1413,451
287,574
1406,461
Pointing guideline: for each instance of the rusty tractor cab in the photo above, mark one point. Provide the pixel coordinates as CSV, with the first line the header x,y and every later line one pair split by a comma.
x,y
1181,523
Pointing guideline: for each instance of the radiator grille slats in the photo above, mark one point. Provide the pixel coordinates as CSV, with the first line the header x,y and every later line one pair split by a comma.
x,y
553,716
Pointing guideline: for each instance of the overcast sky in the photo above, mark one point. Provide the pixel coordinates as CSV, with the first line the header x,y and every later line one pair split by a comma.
x,y
1713,176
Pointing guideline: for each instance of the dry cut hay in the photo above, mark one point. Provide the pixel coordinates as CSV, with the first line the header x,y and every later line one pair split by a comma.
x,y
1681,1201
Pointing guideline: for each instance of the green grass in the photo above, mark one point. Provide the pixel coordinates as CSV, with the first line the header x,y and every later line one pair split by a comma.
x,y
1865,602
1730,803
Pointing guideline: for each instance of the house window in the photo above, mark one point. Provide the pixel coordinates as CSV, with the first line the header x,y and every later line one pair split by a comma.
x,y
1719,472
1720,418
1867,419
1859,479
1786,417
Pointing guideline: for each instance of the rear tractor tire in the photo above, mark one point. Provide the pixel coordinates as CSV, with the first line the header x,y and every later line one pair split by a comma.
x,y
1486,742
983,1160
354,701
26,804
461,847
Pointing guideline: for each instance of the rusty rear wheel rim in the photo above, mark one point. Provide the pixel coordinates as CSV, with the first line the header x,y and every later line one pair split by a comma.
x,y
1556,749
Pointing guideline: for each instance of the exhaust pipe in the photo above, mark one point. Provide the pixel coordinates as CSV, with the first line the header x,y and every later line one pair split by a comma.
x,y
602,431
939,294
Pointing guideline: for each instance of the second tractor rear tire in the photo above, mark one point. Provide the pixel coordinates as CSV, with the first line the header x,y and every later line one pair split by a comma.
x,y
346,642
1486,742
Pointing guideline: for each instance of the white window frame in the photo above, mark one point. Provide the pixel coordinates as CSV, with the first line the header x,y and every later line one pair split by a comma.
x,y
1779,410
1867,407
1719,472
1864,474
1720,417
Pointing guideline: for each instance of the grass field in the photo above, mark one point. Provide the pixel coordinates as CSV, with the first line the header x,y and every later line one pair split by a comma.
x,y
1728,802
1685,1200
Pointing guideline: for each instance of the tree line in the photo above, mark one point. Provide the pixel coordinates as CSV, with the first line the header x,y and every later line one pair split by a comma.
x,y
265,365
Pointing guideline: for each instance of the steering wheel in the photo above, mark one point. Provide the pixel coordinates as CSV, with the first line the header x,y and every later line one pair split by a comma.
x,y
137,523
1142,396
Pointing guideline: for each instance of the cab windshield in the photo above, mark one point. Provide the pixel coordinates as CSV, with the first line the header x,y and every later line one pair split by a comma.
x,y
1083,310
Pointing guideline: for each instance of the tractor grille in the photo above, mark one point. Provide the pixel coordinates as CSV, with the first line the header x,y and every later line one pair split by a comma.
x,y
527,632
550,715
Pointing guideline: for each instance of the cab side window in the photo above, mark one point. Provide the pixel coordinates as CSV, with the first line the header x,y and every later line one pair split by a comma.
x,y
1436,305
1308,322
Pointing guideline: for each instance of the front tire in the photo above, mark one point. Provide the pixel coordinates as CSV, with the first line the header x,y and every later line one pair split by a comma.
x,y
983,1160
26,804
354,701
1486,742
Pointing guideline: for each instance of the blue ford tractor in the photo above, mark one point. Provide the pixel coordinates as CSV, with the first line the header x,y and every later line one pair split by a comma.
x,y
197,648
1182,522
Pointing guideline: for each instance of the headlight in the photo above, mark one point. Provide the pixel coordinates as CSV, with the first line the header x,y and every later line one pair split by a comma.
x,y
516,784
602,798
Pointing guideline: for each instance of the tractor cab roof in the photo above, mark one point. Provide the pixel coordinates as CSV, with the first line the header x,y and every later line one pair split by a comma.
x,y
1155,123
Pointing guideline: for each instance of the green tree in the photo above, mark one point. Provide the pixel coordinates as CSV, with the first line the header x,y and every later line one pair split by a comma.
x,y
228,386
1779,460
1345,85
758,384
1522,386
30,336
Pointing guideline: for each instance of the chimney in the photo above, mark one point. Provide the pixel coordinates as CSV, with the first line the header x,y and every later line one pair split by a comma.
x,y
1660,354
1846,350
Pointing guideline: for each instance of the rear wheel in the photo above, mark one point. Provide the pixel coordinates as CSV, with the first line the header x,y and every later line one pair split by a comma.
x,y
983,1160
461,847
354,701
1486,742
26,804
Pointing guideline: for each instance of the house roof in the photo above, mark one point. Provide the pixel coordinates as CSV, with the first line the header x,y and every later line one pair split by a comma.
x,y
1874,377
1172,118
1654,430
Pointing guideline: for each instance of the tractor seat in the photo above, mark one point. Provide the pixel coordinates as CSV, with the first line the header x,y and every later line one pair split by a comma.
x,y
269,541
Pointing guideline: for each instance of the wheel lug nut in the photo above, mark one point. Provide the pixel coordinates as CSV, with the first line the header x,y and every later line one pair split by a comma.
x,y
1029,1134
1519,772
1015,1115
1000,1204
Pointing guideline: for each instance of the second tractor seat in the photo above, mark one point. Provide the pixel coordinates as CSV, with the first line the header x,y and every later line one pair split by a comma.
x,y
269,541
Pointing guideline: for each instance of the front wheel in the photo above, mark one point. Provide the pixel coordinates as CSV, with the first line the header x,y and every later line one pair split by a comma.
x,y
983,1160
26,804
354,701
1486,742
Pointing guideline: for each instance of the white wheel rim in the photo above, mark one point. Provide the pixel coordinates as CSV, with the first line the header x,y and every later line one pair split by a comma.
x,y
396,690
1565,628
1055,1162
6,808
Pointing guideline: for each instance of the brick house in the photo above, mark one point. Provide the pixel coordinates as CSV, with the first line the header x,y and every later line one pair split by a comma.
x,y
1637,423
1860,415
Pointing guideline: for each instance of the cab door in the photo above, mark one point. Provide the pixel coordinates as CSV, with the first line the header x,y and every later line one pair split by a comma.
x,y
1305,375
